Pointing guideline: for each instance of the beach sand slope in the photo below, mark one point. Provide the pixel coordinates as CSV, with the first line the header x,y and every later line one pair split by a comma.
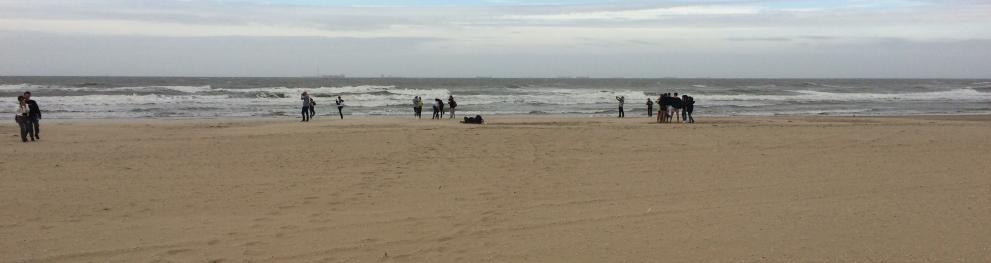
x,y
547,189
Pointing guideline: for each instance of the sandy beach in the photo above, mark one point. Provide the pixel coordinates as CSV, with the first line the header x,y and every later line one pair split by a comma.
x,y
545,189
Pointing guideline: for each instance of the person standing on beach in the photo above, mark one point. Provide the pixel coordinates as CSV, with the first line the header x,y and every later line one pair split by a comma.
x,y
677,105
440,108
436,107
650,108
621,100
419,107
21,117
453,104
416,102
689,108
662,104
34,115
306,106
313,107
340,106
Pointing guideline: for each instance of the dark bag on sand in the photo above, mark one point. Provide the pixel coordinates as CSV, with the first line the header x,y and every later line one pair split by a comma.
x,y
474,120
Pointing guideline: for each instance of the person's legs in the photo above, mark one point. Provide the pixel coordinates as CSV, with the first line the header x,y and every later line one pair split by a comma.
x,y
305,112
452,113
35,121
650,112
684,115
23,125
441,113
340,112
313,111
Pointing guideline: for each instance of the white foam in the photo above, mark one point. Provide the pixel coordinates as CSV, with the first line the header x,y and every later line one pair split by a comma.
x,y
965,94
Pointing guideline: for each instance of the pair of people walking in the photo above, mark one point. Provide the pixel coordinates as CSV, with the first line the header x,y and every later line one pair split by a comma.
x,y
28,117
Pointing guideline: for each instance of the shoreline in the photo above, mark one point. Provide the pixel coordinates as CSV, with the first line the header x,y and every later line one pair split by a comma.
x,y
495,117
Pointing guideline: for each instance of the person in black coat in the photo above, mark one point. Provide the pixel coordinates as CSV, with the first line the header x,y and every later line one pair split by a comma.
x,y
34,116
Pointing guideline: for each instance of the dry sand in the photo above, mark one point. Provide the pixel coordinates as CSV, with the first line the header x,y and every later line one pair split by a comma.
x,y
515,190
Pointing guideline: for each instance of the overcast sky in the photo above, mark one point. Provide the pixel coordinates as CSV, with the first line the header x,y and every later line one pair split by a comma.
x,y
498,38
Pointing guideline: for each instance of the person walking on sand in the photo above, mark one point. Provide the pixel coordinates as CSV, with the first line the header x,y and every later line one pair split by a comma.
x,y
650,108
621,100
21,116
306,106
34,115
452,104
340,106
436,105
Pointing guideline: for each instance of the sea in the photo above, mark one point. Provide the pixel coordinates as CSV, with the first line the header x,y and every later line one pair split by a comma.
x,y
218,97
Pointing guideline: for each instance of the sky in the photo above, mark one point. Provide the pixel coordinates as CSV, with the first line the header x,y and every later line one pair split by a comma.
x,y
498,38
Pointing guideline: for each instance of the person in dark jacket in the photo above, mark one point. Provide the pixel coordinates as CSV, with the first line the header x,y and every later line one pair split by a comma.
x,y
34,116
689,108
451,103
440,107
340,106
436,107
650,108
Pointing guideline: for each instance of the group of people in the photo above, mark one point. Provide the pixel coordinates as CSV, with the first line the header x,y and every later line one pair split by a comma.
x,y
438,107
668,107
673,107
310,106
28,117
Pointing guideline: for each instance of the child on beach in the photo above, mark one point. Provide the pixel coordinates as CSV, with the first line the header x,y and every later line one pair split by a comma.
x,y
313,107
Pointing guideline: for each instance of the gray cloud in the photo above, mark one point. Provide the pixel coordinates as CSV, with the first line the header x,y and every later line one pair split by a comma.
x,y
729,38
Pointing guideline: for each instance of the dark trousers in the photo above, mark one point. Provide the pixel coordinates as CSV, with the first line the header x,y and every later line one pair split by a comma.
x,y
35,125
436,114
621,114
306,113
688,116
313,111
340,112
650,111
25,129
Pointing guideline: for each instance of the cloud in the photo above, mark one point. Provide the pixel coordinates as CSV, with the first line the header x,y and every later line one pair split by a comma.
x,y
643,14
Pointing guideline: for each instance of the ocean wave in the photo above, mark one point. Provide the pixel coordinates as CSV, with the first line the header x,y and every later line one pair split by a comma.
x,y
965,94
